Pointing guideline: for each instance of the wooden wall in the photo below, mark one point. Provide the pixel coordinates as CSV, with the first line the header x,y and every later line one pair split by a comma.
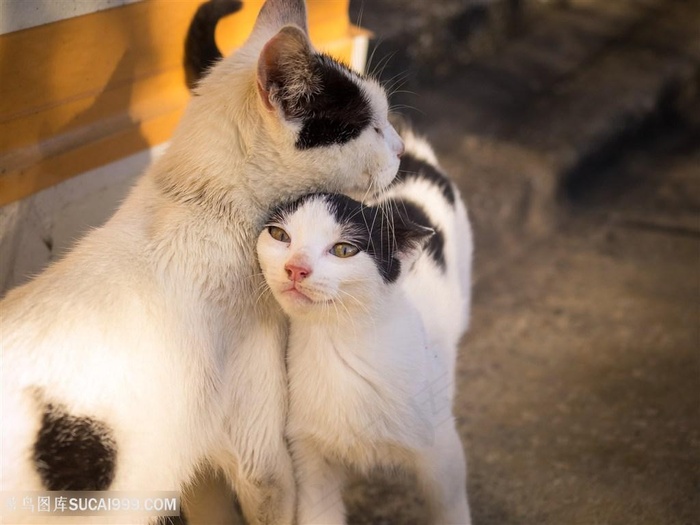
x,y
83,92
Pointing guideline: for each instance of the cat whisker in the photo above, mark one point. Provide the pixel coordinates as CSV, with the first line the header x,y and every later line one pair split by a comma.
x,y
398,77
406,91
395,83
382,64
335,307
368,66
263,290
349,316
396,90
356,300
255,275
396,107
368,192
359,16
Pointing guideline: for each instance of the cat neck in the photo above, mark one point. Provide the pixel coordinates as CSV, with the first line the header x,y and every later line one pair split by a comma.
x,y
209,194
230,153
208,162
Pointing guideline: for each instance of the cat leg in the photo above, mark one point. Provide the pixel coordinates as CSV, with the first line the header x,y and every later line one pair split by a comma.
x,y
266,492
442,471
320,486
209,499
256,459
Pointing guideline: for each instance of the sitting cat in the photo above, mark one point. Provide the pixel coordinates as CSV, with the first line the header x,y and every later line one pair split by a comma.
x,y
145,354
378,297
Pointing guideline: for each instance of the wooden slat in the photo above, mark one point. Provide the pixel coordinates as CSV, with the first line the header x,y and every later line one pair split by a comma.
x,y
82,92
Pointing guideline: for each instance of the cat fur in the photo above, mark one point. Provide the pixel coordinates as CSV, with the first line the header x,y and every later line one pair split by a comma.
x,y
372,372
150,337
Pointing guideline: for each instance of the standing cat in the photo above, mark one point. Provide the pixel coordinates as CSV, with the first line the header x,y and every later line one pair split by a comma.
x,y
144,354
375,323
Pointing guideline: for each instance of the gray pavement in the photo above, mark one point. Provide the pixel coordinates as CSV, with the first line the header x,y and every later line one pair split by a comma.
x,y
579,381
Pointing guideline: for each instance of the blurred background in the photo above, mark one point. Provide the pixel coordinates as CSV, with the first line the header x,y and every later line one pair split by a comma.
x,y
572,128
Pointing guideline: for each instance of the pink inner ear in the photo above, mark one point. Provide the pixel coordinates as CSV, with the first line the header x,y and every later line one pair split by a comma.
x,y
266,63
287,50
265,96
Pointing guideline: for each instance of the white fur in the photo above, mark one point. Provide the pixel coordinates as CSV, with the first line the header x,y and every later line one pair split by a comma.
x,y
371,365
447,317
154,323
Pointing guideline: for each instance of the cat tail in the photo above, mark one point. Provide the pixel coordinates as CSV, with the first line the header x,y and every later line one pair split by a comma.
x,y
201,51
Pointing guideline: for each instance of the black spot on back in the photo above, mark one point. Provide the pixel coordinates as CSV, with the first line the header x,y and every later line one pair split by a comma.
x,y
413,167
338,112
74,453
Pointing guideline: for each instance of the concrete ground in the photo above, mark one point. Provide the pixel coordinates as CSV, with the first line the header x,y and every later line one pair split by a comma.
x,y
576,143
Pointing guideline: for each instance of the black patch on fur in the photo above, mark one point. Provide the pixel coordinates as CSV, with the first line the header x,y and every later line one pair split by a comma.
x,y
201,51
371,230
337,112
413,167
74,453
414,213
382,232
436,248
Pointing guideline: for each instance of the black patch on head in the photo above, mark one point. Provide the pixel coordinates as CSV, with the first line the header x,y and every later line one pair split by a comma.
x,y
414,213
282,211
74,453
371,230
382,232
413,167
337,112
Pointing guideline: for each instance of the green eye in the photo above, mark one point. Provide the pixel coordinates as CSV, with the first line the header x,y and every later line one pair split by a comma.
x,y
278,234
343,250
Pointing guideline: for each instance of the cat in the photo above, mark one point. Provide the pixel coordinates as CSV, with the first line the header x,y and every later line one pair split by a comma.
x,y
378,298
144,355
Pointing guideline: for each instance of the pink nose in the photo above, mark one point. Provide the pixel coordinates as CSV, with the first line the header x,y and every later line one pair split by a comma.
x,y
297,272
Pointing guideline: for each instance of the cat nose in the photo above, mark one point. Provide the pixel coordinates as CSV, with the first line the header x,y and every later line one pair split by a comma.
x,y
402,149
395,142
296,272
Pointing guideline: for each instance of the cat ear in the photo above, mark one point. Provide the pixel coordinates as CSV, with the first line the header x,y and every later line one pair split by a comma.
x,y
276,14
285,71
410,239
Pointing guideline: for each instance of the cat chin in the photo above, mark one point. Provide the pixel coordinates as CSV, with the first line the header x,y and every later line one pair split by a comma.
x,y
373,186
294,302
297,303
382,180
297,297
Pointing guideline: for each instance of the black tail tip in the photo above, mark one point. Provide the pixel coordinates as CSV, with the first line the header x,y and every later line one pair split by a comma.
x,y
201,51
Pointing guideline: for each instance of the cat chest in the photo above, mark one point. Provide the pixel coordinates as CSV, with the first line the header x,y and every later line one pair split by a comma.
x,y
345,403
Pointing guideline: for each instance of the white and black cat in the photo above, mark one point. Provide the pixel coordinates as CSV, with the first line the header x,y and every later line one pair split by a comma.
x,y
378,297
144,354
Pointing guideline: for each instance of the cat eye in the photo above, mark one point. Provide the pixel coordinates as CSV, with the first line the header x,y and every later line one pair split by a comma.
x,y
379,131
343,250
279,234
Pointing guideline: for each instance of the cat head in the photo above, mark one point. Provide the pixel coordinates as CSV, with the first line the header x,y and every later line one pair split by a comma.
x,y
299,110
327,254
